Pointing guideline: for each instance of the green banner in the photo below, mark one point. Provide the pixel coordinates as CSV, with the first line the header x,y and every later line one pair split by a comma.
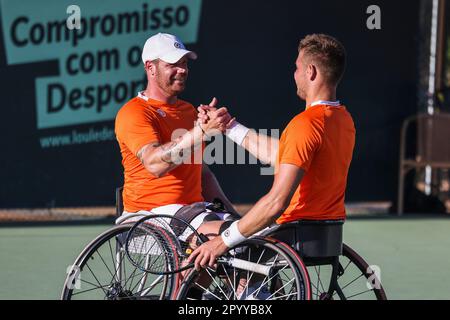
x,y
100,65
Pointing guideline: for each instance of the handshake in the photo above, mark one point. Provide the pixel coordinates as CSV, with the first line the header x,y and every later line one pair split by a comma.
x,y
213,120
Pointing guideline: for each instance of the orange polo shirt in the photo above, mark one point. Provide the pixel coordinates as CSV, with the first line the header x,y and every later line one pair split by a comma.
x,y
319,140
142,121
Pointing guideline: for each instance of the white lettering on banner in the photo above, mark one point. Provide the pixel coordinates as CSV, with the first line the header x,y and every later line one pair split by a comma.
x,y
98,52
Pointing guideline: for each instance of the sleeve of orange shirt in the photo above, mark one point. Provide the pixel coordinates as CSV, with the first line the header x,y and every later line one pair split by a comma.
x,y
300,141
136,128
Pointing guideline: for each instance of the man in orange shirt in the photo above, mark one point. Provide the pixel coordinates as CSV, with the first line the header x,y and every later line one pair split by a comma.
x,y
314,154
161,142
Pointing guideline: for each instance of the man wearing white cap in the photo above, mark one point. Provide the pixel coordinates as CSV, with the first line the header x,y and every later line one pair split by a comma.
x,y
159,134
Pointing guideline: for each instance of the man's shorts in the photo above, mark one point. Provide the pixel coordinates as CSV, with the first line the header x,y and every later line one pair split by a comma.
x,y
194,214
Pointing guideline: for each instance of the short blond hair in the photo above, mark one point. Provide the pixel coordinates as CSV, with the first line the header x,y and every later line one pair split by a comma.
x,y
327,53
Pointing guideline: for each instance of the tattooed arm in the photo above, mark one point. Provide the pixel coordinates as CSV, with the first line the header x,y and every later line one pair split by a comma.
x,y
159,159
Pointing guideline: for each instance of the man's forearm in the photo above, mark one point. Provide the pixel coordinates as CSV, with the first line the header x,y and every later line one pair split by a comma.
x,y
263,214
262,147
273,204
160,159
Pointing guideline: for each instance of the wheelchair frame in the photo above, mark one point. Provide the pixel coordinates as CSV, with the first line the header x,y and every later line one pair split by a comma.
x,y
304,243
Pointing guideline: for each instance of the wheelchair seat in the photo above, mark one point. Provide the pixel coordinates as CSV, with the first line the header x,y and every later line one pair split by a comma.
x,y
310,238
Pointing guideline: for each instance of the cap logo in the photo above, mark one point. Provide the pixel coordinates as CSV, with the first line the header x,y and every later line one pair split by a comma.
x,y
177,45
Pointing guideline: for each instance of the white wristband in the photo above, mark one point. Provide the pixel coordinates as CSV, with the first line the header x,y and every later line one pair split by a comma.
x,y
231,236
237,132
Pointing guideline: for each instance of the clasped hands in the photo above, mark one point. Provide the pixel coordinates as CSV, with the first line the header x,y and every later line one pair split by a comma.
x,y
214,120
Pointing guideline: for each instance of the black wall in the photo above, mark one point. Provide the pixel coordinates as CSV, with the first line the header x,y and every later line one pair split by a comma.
x,y
246,54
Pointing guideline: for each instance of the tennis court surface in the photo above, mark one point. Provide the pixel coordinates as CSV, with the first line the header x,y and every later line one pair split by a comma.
x,y
412,254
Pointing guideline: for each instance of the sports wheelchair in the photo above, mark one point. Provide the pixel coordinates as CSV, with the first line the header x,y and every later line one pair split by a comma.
x,y
303,260
103,272
296,261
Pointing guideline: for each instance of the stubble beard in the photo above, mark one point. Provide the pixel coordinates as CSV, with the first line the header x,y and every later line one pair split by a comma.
x,y
169,85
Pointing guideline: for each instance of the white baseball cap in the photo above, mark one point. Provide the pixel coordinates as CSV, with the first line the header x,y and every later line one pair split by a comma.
x,y
166,47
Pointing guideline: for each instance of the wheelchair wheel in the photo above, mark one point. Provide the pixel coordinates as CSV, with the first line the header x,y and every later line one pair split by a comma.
x,y
103,272
257,269
356,280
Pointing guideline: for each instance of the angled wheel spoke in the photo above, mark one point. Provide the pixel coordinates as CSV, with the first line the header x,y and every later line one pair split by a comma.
x,y
285,296
103,260
279,281
111,276
320,282
89,290
233,289
287,283
358,294
215,282
250,278
96,279
119,265
131,277
345,286
349,262
265,282
207,291
112,256
151,286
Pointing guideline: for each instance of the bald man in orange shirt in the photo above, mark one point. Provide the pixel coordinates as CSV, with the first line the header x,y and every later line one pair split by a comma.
x,y
313,157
